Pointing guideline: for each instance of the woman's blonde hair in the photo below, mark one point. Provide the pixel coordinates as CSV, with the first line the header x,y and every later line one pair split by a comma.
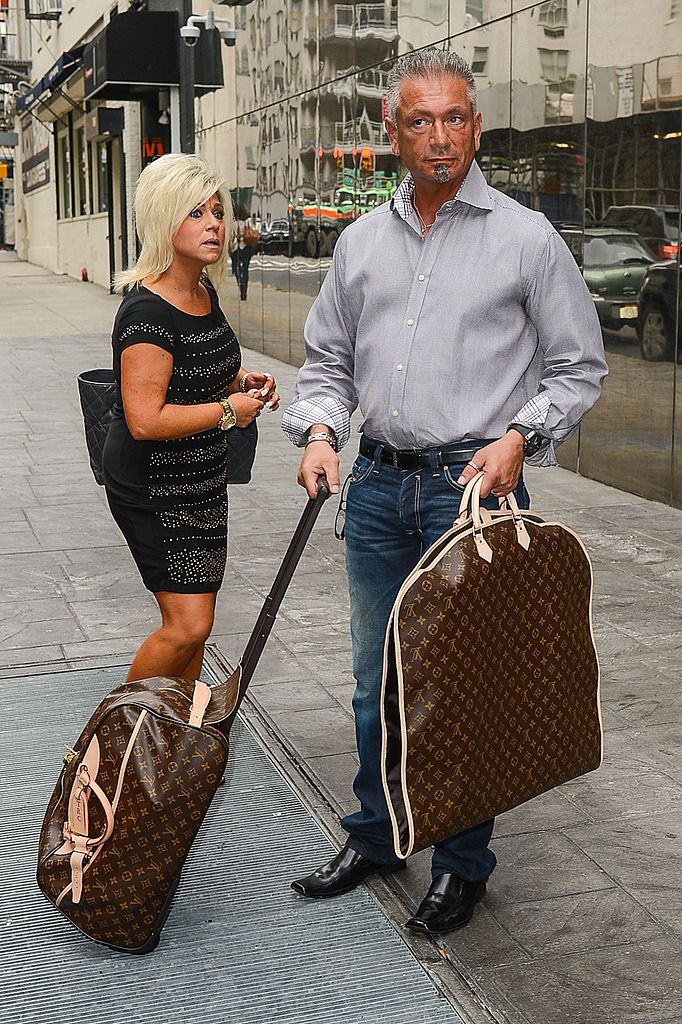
x,y
167,191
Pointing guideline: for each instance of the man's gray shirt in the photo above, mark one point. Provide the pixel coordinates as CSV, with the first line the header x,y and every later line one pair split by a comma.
x,y
486,322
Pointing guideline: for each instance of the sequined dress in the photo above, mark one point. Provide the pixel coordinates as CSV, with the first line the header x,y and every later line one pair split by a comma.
x,y
169,498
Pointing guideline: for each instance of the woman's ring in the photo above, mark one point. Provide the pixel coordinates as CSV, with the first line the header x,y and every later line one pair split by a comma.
x,y
472,463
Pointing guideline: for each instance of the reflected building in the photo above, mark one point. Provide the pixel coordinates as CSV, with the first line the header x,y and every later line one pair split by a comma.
x,y
582,116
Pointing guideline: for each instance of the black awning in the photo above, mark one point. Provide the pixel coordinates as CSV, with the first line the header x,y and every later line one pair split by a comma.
x,y
137,53
62,69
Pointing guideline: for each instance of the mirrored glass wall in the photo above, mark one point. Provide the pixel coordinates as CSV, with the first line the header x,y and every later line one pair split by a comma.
x,y
582,113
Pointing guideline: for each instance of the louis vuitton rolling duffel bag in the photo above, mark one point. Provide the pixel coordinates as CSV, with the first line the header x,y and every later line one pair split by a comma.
x,y
137,784
491,683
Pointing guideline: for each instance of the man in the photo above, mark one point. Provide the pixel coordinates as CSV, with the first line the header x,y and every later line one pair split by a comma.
x,y
458,321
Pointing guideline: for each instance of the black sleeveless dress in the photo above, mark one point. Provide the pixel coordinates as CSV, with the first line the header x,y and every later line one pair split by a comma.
x,y
169,498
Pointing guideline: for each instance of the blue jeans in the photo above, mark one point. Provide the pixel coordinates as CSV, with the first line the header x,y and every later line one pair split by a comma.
x,y
392,517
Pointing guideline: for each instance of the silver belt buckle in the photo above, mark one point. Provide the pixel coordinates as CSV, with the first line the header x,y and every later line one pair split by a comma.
x,y
394,459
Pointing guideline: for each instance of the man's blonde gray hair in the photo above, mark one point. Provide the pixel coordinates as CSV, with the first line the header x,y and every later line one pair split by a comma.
x,y
427,63
167,191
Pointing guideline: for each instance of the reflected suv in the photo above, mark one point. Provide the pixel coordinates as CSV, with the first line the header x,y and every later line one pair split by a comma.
x,y
659,226
658,311
614,264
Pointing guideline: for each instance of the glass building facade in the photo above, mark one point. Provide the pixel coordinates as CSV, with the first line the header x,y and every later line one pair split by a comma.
x,y
582,118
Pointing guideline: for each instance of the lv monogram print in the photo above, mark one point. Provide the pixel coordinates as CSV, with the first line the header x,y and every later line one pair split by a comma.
x,y
499,679
171,776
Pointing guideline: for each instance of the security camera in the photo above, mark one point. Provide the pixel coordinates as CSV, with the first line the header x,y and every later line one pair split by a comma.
x,y
190,34
229,36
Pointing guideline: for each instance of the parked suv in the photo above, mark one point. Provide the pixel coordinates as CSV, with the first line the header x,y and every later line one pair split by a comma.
x,y
658,311
658,226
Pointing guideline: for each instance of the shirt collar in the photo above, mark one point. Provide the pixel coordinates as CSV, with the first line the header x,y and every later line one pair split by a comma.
x,y
473,191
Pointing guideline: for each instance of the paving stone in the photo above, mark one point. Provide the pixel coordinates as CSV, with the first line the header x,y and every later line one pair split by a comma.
x,y
296,695
36,623
314,733
646,861
100,619
17,537
336,773
55,523
550,811
20,660
629,985
30,575
568,924
542,866
599,799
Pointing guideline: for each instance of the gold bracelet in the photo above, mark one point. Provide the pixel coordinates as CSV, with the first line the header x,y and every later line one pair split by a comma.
x,y
242,384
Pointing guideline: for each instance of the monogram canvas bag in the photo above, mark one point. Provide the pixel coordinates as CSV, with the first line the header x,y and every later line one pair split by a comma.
x,y
136,786
491,683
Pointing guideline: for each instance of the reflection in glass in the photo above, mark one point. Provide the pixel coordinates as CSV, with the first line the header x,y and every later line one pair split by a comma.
x,y
421,22
592,140
633,185
304,221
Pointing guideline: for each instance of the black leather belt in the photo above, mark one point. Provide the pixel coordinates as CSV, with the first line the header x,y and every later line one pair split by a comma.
x,y
421,458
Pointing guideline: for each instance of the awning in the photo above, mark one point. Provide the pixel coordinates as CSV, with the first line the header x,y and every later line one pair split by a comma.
x,y
62,69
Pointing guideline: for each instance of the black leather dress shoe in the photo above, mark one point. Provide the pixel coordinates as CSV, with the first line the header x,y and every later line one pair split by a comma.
x,y
343,872
449,904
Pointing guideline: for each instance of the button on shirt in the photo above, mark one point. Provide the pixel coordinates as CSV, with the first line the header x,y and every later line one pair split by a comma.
x,y
485,322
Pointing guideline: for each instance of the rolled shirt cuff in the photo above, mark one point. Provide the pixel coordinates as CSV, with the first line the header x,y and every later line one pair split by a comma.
x,y
303,414
533,415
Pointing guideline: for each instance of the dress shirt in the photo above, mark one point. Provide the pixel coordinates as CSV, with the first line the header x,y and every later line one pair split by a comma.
x,y
486,322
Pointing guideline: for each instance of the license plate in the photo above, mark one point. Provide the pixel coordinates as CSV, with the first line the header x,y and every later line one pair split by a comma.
x,y
628,312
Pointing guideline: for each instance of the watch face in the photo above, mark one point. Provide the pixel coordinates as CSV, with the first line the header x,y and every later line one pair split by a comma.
x,y
533,443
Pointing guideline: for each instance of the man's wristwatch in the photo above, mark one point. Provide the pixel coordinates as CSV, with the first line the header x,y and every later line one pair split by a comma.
x,y
229,416
532,441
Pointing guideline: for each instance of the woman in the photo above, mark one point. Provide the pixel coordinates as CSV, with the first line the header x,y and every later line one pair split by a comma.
x,y
182,386
242,248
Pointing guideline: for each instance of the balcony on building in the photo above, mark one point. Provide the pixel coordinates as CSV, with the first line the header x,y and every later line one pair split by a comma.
x,y
361,131
357,22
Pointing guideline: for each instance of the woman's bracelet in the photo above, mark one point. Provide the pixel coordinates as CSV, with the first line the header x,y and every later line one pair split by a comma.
x,y
242,383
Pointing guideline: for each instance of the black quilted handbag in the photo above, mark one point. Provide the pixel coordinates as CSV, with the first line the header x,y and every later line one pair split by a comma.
x,y
98,390
241,453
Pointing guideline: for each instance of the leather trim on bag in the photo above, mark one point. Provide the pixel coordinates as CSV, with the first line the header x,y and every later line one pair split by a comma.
x,y
78,868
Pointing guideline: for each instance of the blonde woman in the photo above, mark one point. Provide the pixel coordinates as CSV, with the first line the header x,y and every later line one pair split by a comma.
x,y
181,384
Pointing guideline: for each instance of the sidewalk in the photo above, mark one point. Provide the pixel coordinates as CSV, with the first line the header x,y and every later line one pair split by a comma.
x,y
582,922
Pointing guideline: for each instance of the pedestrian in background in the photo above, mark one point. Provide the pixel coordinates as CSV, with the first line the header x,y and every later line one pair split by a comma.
x,y
244,242
177,363
458,321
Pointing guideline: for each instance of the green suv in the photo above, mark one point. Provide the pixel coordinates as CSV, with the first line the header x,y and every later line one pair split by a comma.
x,y
614,263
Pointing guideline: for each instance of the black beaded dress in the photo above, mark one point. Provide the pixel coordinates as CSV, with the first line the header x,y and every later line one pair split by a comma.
x,y
169,498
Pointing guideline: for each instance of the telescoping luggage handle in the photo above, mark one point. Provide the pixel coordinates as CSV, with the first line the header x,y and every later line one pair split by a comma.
x,y
218,705
268,613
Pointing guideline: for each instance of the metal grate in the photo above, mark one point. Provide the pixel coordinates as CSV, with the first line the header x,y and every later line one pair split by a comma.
x,y
239,947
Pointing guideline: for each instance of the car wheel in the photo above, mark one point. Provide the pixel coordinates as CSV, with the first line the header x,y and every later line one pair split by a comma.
x,y
656,336
329,240
312,249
